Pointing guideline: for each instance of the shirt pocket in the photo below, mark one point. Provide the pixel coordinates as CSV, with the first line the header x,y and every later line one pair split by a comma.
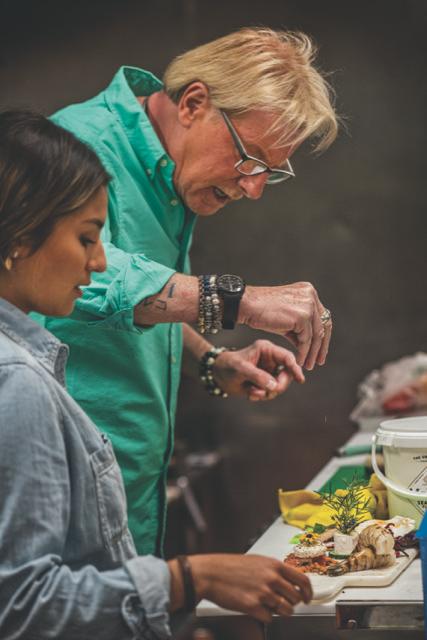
x,y
110,493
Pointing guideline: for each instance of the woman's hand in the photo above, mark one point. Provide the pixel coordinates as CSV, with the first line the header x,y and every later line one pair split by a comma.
x,y
252,584
261,371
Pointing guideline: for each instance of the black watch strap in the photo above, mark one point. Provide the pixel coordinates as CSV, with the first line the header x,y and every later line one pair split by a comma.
x,y
230,310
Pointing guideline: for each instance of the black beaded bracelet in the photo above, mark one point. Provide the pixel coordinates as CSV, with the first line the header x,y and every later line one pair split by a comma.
x,y
188,582
206,371
210,313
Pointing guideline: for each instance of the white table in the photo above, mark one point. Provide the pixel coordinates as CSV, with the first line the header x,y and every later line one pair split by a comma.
x,y
395,610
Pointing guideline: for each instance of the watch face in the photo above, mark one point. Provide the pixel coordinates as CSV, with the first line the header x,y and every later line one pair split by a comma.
x,y
230,283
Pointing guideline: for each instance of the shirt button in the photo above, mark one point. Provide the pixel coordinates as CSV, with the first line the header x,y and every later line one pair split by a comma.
x,y
149,172
163,162
174,202
173,359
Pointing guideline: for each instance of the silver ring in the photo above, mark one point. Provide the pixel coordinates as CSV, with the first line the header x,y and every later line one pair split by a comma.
x,y
325,317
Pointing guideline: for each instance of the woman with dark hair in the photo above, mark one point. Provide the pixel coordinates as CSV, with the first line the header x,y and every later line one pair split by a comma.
x,y
68,565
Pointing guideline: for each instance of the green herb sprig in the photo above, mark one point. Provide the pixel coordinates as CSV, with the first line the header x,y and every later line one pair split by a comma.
x,y
350,509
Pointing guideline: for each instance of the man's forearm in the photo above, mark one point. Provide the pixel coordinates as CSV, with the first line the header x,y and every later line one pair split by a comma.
x,y
178,301
293,310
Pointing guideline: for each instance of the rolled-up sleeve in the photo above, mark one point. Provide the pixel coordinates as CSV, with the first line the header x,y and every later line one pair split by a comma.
x,y
41,596
129,278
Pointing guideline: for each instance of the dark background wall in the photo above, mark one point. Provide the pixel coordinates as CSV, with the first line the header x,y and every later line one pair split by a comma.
x,y
353,221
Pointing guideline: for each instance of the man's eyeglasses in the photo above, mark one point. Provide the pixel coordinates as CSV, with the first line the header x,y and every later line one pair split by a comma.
x,y
250,166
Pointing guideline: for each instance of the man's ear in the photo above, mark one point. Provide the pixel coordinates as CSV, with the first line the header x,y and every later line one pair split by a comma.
x,y
194,103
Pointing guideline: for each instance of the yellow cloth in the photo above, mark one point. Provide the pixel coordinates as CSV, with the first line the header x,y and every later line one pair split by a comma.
x,y
379,492
304,508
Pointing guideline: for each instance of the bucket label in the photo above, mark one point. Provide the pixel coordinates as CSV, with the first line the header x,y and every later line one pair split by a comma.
x,y
419,485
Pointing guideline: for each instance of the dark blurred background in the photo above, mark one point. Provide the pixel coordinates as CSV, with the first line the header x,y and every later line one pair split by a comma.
x,y
353,222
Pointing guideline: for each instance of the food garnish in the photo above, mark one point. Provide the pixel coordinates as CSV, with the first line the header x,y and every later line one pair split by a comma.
x,y
375,543
350,506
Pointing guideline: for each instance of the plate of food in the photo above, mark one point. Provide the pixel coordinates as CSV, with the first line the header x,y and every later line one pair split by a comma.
x,y
374,554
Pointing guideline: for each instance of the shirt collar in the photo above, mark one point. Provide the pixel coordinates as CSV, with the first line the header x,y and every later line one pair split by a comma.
x,y
120,95
39,342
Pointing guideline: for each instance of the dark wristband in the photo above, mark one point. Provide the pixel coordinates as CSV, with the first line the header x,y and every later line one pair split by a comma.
x,y
188,582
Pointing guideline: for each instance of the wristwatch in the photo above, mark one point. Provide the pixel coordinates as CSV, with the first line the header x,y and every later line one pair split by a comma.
x,y
230,289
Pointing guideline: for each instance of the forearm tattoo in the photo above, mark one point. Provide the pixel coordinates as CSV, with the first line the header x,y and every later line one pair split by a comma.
x,y
160,304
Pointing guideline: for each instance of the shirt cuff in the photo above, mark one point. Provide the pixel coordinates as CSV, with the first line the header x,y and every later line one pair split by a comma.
x,y
151,577
135,279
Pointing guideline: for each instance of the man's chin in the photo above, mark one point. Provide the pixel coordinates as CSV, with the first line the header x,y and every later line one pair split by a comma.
x,y
205,206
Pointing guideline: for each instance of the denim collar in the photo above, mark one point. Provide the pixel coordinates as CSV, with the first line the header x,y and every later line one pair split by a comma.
x,y
40,343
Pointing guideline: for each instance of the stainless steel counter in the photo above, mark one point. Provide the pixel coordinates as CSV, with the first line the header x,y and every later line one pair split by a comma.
x,y
394,612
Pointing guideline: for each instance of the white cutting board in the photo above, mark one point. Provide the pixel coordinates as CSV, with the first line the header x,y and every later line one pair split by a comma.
x,y
326,587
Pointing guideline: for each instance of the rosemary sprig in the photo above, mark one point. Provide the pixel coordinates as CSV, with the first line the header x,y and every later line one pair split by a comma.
x,y
350,509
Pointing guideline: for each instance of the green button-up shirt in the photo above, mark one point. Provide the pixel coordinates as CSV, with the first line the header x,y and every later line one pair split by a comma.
x,y
126,378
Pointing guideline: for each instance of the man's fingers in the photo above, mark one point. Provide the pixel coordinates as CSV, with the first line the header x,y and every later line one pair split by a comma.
x,y
259,378
321,357
304,337
284,380
288,364
255,393
316,343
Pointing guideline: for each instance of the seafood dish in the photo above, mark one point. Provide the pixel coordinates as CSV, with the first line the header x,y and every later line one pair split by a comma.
x,y
375,544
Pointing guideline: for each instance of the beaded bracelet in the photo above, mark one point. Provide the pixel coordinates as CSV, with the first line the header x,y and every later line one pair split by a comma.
x,y
206,374
210,313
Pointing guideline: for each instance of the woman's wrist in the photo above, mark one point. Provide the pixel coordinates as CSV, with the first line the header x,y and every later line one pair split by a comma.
x,y
201,572
177,597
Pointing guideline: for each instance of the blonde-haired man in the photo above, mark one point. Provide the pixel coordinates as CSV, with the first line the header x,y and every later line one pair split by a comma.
x,y
222,127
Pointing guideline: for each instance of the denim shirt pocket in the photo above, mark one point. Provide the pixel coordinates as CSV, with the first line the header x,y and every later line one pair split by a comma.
x,y
110,493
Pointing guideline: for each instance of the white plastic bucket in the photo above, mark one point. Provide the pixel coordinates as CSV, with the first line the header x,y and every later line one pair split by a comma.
x,y
404,443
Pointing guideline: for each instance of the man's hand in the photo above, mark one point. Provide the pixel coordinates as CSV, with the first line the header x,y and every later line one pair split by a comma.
x,y
293,311
261,371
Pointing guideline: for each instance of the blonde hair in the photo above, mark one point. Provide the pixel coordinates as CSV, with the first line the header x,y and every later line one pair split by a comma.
x,y
258,68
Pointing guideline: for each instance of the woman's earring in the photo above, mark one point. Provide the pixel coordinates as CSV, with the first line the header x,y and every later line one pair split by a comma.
x,y
8,263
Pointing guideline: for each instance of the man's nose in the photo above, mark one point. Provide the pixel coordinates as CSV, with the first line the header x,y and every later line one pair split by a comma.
x,y
253,186
98,262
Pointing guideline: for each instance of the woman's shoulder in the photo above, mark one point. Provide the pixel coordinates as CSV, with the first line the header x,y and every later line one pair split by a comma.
x,y
19,368
11,352
27,399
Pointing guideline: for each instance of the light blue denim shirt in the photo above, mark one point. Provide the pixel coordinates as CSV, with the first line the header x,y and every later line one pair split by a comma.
x,y
68,566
